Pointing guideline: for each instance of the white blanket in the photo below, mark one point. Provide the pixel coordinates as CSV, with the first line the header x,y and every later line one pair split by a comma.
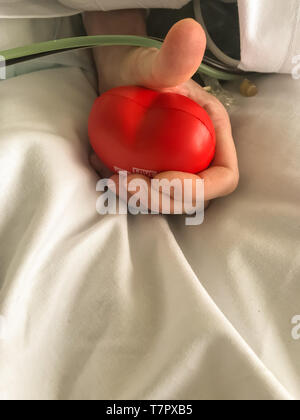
x,y
144,307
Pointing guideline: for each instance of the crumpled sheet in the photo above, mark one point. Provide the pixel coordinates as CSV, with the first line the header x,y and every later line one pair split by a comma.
x,y
270,35
142,307
117,307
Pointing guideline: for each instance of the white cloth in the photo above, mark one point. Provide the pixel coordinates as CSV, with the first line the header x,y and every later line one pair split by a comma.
x,y
145,307
270,35
34,8
123,4
56,8
17,32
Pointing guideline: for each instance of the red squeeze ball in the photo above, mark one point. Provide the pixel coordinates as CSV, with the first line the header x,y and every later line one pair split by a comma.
x,y
144,131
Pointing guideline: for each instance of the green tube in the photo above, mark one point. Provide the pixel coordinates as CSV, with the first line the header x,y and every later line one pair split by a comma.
x,y
101,40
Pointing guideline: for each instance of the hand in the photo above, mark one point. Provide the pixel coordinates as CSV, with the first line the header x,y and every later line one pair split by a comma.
x,y
170,70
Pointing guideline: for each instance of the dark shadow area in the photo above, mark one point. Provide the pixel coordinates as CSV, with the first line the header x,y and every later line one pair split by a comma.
x,y
221,19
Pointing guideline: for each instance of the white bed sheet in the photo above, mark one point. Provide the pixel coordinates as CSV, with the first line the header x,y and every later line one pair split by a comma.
x,y
144,307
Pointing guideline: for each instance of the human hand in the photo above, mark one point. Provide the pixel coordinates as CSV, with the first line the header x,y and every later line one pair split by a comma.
x,y
170,70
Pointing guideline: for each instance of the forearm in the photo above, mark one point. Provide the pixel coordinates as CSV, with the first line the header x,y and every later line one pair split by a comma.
x,y
109,60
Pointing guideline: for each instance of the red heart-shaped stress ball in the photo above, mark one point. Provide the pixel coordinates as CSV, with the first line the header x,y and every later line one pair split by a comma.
x,y
144,131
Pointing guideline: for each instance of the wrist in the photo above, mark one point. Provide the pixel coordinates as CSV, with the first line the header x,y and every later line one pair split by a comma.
x,y
110,61
113,66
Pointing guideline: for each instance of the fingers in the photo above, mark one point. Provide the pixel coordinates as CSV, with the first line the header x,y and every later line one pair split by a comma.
x,y
218,182
176,62
167,193
138,185
223,175
137,191
184,185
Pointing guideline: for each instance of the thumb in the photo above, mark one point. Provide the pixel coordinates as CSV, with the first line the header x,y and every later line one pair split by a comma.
x,y
175,63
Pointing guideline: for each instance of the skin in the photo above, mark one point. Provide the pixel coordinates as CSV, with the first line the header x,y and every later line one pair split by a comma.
x,y
168,70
